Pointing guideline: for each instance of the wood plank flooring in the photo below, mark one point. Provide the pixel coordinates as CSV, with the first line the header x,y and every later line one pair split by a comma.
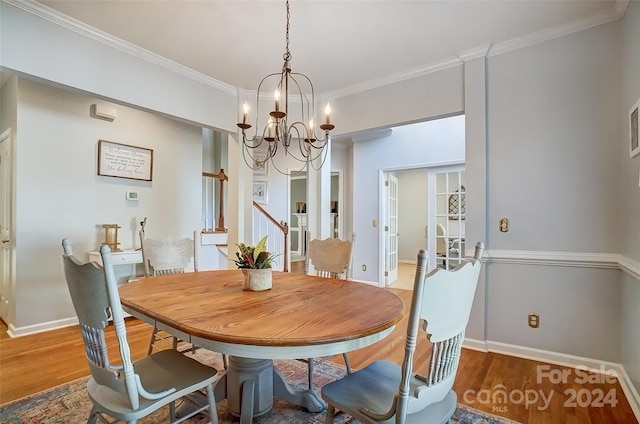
x,y
37,362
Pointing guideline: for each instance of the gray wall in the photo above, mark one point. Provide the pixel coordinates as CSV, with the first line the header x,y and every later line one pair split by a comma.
x,y
555,162
553,172
629,233
58,193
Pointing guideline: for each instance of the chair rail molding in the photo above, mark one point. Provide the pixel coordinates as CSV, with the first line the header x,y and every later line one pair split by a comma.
x,y
567,259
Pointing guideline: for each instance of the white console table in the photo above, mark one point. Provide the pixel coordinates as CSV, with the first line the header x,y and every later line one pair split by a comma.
x,y
124,263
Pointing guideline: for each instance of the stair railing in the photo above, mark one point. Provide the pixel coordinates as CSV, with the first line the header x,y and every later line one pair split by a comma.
x,y
278,241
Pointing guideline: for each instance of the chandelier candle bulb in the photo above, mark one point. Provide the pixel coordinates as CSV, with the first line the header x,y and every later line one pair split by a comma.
x,y
277,100
327,111
245,110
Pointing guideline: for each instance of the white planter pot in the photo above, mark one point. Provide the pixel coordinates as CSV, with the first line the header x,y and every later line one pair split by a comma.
x,y
257,279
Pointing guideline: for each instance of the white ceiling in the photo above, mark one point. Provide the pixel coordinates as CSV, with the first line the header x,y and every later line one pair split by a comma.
x,y
337,44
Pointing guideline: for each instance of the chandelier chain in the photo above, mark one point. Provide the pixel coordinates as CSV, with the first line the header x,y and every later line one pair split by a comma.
x,y
287,54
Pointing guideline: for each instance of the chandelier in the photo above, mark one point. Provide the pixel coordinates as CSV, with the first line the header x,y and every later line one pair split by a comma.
x,y
289,127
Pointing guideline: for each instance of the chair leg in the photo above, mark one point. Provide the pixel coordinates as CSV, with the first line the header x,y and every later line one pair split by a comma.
x,y
93,416
213,412
172,411
346,363
331,413
152,340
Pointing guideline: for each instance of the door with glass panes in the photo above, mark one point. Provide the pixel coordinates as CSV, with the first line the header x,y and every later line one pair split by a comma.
x,y
445,230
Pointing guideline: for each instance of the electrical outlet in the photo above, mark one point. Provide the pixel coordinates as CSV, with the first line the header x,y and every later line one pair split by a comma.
x,y
504,225
534,320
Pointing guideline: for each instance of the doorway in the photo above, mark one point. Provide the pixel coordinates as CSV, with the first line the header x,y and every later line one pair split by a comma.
x,y
298,212
427,197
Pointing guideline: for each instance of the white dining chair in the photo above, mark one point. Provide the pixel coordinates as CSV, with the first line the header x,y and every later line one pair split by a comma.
x,y
330,258
385,392
165,256
131,390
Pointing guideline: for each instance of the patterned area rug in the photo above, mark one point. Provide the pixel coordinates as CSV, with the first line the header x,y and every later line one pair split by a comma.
x,y
69,403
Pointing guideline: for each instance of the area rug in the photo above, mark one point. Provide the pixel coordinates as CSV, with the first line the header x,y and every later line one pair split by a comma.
x,y
69,403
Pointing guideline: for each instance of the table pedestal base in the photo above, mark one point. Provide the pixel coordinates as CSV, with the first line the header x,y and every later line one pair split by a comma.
x,y
249,385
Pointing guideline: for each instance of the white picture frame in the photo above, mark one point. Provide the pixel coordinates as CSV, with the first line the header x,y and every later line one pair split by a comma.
x,y
260,192
124,161
260,164
634,132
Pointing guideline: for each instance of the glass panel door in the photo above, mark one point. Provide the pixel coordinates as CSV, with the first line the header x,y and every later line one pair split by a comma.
x,y
446,229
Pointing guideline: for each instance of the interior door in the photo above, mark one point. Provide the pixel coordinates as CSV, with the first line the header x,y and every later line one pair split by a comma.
x,y
446,223
6,296
391,229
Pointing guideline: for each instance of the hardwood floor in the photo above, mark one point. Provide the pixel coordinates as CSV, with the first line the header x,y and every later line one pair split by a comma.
x,y
30,364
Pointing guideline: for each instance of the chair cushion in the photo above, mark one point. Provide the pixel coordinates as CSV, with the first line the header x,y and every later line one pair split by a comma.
x,y
374,388
159,371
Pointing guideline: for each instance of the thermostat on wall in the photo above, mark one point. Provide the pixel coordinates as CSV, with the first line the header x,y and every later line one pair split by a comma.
x,y
132,195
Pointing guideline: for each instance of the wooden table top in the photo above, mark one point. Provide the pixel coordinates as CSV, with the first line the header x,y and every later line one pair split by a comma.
x,y
299,310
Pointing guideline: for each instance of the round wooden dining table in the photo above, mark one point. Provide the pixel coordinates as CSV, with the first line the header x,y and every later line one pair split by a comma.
x,y
301,316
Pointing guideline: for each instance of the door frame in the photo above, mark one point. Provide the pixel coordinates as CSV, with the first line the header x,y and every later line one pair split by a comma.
x,y
7,279
382,206
390,273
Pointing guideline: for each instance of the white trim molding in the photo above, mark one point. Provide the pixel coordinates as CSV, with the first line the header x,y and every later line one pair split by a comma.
x,y
617,11
562,359
28,330
566,259
630,266
572,361
531,257
82,28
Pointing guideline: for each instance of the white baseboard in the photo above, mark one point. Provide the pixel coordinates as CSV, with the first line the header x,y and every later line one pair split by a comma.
x,y
473,344
39,328
562,359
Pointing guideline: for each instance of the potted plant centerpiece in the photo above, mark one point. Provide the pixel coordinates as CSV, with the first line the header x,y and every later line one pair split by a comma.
x,y
255,263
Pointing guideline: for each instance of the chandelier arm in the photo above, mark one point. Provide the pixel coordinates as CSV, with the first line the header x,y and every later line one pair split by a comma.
x,y
252,163
326,152
305,117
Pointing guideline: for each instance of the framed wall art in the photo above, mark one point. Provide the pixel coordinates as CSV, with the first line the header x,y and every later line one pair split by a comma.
x,y
260,193
260,164
124,161
634,136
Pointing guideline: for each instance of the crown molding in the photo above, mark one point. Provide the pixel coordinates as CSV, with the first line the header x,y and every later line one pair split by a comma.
x,y
81,28
475,53
488,50
547,34
395,78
